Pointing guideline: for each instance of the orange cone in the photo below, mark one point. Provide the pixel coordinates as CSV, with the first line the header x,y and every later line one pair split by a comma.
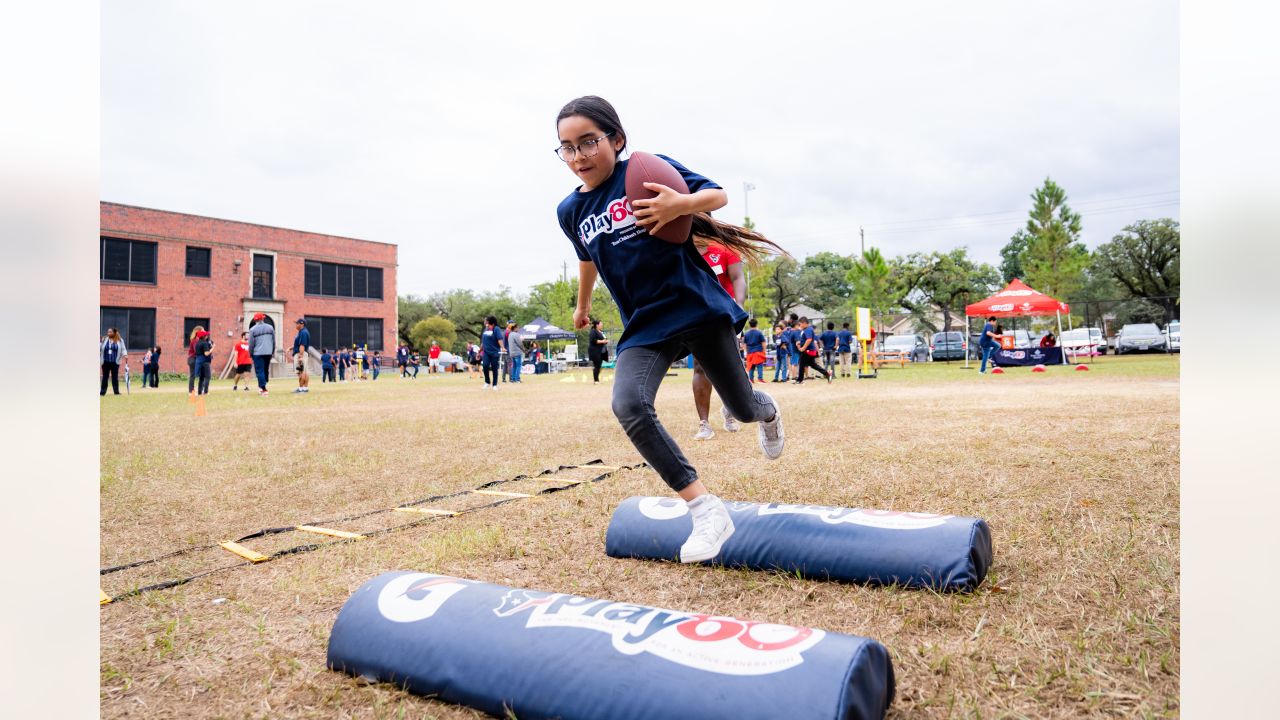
x,y
1082,368
200,407
191,398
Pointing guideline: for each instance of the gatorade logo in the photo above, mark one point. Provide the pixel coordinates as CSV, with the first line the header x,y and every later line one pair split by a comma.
x,y
417,596
670,509
718,644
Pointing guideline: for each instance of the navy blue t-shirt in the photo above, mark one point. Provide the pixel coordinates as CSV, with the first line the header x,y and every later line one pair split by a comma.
x,y
661,289
489,341
806,334
829,340
754,340
786,341
303,340
326,361
845,340
988,341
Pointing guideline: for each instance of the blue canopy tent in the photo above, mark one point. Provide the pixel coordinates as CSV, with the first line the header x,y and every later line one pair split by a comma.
x,y
540,329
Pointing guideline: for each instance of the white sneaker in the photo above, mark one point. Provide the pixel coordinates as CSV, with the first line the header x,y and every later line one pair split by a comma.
x,y
704,431
712,526
771,436
731,424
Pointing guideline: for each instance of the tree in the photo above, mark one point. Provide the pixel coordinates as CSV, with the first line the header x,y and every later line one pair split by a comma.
x,y
1054,259
412,308
825,277
430,329
873,283
943,282
1011,256
467,311
1144,260
775,287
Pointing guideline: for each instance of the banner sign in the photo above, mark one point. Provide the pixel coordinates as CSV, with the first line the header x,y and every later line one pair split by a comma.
x,y
1028,356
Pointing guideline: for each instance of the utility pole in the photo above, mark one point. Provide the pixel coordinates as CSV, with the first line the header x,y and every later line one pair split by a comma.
x,y
746,206
564,272
863,235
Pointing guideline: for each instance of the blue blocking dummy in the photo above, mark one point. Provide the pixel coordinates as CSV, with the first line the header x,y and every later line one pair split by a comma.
x,y
550,655
942,552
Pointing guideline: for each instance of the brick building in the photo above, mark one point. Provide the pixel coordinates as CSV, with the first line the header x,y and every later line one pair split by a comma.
x,y
162,273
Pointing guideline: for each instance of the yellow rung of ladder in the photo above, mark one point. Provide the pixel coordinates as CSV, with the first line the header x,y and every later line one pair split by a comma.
x,y
427,511
244,552
593,467
501,493
330,532
103,598
557,480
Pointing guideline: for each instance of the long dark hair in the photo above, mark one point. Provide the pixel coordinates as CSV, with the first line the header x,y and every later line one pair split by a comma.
x,y
597,110
751,245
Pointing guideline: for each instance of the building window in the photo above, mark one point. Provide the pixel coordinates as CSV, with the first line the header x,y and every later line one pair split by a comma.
x,y
127,261
198,261
335,332
189,324
263,276
336,280
136,325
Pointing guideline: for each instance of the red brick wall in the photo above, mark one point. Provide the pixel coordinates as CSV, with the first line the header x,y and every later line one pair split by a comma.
x,y
222,297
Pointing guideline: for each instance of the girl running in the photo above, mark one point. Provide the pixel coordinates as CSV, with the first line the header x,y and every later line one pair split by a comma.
x,y
670,302
244,362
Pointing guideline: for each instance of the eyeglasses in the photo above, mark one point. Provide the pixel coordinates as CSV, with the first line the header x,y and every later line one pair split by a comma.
x,y
588,149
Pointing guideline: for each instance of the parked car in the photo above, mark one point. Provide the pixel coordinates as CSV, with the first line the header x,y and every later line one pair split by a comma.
x,y
948,346
914,345
1083,340
1173,336
1139,337
1021,338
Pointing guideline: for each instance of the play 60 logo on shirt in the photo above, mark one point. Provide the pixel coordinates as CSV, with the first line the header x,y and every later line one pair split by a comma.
x,y
616,216
716,644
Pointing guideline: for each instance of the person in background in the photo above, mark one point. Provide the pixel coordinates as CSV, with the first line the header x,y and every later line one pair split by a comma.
x,y
111,352
1048,341
301,344
844,346
415,362
753,346
402,360
535,355
433,358
155,366
782,353
146,368
244,362
326,366
808,347
491,347
262,345
515,351
794,324
989,342
340,363
597,343
204,357
191,361
376,363
829,348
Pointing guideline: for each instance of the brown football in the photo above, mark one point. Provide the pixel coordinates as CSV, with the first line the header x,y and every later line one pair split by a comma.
x,y
643,168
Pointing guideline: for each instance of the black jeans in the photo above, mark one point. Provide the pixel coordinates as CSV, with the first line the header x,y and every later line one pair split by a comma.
x,y
191,374
202,373
596,362
490,364
810,361
640,371
112,370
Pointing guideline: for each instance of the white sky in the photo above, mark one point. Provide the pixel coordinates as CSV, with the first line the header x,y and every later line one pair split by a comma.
x,y
432,125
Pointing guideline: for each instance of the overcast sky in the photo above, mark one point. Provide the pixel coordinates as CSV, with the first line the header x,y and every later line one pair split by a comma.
x,y
432,125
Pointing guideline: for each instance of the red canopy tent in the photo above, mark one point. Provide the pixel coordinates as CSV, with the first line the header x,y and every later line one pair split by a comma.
x,y
1016,299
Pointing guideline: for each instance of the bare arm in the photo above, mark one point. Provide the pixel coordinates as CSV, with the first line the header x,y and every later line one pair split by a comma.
x,y
739,279
586,283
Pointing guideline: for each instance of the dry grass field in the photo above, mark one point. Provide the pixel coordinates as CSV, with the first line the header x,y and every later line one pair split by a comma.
x,y
1077,474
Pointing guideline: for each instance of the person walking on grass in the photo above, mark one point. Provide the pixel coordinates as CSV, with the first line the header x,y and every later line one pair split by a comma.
x,y
376,363
155,366
204,357
301,344
244,363
111,353
808,347
597,344
415,362
515,351
326,367
191,361
262,346
668,298
829,348
491,347
433,358
402,360
146,368
989,342
844,346
781,352
753,346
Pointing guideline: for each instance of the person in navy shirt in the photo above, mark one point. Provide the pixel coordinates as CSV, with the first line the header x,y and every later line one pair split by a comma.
x,y
491,346
844,346
670,302
301,343
326,367
402,360
753,346
782,352
989,343
808,347
829,347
